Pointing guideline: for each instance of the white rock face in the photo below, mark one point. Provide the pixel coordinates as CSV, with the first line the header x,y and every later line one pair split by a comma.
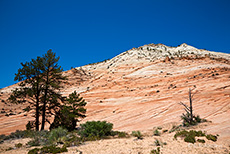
x,y
153,52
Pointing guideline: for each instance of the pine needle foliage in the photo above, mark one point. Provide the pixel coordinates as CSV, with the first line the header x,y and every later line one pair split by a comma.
x,y
39,87
70,113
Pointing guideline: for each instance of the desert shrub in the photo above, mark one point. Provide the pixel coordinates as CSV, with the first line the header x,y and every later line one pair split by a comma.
x,y
57,135
119,134
195,121
11,113
137,134
19,145
182,133
122,134
175,128
34,151
2,138
201,140
19,134
189,136
160,128
155,151
48,149
10,148
157,142
26,134
53,149
165,130
39,138
94,130
35,142
199,133
211,137
72,140
156,132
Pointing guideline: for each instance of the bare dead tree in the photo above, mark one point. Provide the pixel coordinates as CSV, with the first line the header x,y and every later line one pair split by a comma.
x,y
189,117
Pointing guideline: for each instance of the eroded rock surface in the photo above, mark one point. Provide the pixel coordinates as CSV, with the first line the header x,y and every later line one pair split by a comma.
x,y
141,88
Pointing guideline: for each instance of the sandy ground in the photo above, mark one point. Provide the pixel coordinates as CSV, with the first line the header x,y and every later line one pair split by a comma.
x,y
132,145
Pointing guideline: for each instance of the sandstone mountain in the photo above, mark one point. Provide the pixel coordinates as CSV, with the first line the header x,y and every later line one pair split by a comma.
x,y
141,88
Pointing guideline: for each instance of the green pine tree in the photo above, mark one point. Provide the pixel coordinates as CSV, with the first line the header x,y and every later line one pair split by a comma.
x,y
40,84
52,79
30,86
70,112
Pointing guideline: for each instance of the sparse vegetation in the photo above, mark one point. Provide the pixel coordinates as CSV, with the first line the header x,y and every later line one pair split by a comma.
x,y
157,142
34,151
10,148
48,149
99,62
122,134
94,130
189,136
57,135
175,128
19,145
119,134
165,130
189,118
156,132
35,142
137,134
201,140
155,151
211,137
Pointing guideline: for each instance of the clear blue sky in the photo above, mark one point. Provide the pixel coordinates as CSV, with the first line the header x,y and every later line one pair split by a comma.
x,y
87,31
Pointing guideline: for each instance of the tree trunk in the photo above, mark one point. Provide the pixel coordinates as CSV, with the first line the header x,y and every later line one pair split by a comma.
x,y
37,116
45,101
37,110
191,109
44,110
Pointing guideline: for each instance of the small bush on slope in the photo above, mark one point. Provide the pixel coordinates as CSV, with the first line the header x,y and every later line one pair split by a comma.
x,y
189,136
48,149
137,134
93,130
156,132
157,151
57,135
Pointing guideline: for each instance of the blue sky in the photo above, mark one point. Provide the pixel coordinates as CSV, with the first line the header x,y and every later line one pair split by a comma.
x,y
88,31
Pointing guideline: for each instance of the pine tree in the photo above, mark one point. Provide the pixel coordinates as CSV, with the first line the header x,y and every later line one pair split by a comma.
x,y
40,84
52,79
30,87
70,112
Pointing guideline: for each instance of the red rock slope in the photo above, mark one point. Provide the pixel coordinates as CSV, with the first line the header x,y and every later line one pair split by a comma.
x,y
141,88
